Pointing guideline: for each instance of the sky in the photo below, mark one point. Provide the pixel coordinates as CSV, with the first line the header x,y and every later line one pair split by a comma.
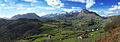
x,y
9,8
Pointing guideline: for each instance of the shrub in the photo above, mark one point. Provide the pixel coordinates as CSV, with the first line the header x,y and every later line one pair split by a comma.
x,y
114,24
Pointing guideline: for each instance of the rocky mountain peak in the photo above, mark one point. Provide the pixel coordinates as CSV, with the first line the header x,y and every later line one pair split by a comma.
x,y
84,11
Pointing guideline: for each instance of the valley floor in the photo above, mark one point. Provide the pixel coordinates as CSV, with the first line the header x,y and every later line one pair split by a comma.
x,y
71,36
97,36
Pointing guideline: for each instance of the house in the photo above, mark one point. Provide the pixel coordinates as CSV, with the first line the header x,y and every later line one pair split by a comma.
x,y
49,36
82,36
94,29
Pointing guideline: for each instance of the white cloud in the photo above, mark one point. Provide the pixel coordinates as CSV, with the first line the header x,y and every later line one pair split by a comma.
x,y
34,1
89,3
82,1
118,3
4,16
73,9
55,3
38,7
114,10
16,6
20,5
3,5
95,11
9,7
115,7
110,12
42,14
76,7
5,0
19,8
70,10
30,8
110,15
47,8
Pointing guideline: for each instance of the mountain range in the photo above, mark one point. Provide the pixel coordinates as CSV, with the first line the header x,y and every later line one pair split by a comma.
x,y
74,14
27,15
